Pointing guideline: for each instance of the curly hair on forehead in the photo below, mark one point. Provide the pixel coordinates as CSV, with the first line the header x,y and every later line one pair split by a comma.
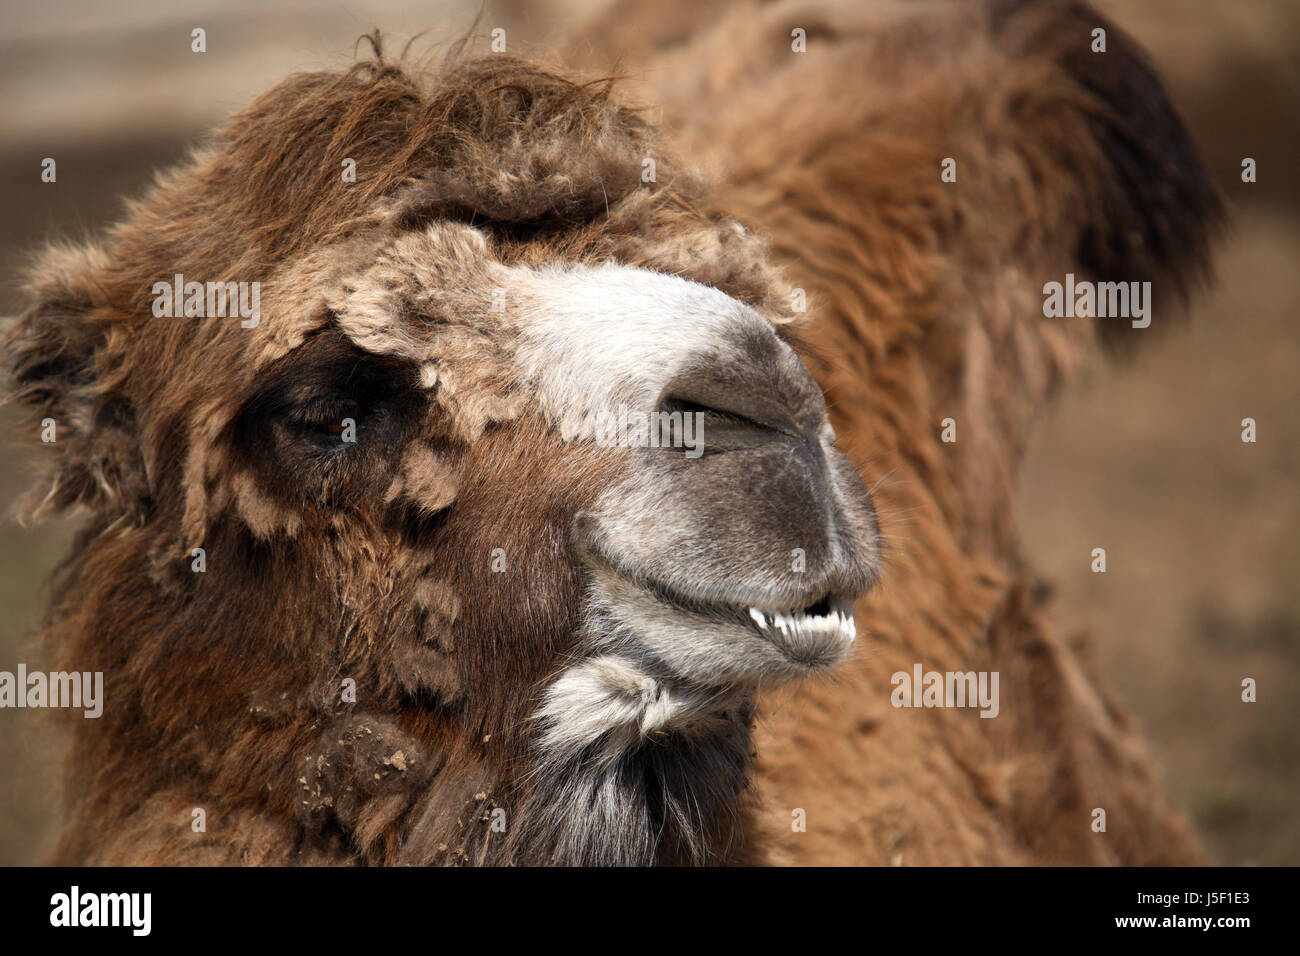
x,y
498,138
543,165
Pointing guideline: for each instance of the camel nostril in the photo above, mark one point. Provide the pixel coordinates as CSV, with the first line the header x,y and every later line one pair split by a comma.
x,y
710,414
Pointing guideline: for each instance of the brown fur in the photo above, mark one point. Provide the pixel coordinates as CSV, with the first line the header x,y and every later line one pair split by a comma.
x,y
223,687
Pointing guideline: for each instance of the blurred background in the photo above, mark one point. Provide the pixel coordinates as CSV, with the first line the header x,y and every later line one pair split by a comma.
x,y
1142,458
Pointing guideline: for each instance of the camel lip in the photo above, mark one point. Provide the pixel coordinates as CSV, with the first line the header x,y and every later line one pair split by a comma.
x,y
737,600
804,633
814,641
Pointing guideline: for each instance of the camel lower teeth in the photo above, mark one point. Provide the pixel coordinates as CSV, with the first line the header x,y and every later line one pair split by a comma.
x,y
795,623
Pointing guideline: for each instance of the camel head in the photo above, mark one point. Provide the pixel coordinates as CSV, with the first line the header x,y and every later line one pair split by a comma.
x,y
443,449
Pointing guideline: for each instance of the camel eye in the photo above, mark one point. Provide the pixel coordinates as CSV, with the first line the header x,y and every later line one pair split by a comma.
x,y
331,424
328,422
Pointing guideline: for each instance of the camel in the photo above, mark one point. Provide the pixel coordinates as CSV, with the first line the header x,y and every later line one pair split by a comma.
x,y
369,581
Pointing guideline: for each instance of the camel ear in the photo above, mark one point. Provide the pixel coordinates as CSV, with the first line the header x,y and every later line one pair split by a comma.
x,y
53,354
1153,210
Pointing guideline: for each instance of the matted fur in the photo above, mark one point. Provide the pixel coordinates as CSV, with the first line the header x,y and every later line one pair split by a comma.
x,y
223,686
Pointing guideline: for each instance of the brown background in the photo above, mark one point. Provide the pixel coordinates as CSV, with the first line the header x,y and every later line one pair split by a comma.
x,y
1143,459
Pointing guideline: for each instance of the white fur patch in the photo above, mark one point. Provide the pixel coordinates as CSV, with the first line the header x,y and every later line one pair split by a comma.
x,y
611,697
594,338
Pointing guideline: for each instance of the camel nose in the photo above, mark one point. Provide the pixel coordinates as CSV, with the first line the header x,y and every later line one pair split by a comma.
x,y
769,515
760,508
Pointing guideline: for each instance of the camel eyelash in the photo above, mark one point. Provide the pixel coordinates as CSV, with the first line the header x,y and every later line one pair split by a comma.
x,y
331,423
322,411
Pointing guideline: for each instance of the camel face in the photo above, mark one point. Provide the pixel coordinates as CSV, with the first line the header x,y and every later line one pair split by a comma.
x,y
715,540
638,460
